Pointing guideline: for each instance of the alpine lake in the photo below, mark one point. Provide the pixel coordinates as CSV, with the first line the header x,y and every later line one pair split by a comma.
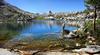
x,y
37,34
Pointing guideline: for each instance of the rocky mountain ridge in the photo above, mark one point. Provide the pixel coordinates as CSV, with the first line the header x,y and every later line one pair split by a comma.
x,y
9,12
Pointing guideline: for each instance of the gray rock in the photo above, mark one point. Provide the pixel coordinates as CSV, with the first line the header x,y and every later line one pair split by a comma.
x,y
70,35
7,52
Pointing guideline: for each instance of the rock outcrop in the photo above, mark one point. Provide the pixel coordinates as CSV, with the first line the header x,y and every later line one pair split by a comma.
x,y
9,12
7,52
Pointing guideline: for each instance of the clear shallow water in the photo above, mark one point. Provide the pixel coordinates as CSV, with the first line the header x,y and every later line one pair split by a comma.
x,y
35,29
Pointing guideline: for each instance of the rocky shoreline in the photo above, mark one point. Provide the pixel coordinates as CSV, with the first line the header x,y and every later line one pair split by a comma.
x,y
37,52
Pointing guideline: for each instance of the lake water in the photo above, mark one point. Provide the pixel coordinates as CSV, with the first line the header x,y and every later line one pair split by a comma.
x,y
35,29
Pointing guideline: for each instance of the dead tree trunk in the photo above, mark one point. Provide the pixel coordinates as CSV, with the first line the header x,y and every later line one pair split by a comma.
x,y
94,21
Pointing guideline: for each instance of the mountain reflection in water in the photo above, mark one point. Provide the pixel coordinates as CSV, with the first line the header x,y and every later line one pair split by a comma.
x,y
36,29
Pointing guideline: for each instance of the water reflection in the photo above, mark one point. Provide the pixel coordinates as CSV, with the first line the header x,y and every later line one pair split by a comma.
x,y
36,29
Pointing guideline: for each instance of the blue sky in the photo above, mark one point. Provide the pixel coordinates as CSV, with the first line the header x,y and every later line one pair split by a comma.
x,y
41,6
